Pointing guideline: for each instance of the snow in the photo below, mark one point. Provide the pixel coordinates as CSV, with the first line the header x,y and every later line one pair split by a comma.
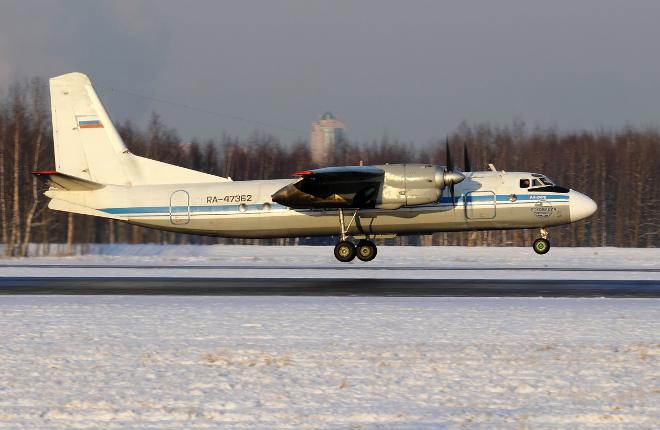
x,y
222,261
118,362
170,362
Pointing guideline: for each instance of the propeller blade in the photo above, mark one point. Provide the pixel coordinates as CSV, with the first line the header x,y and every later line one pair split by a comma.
x,y
451,177
450,165
466,157
451,191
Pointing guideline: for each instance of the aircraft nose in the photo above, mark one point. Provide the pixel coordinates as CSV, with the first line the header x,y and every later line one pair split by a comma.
x,y
581,206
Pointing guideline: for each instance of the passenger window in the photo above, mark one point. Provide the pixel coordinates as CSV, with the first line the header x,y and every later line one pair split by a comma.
x,y
524,183
536,183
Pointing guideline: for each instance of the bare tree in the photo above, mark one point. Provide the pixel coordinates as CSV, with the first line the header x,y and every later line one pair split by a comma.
x,y
4,231
590,161
38,111
18,114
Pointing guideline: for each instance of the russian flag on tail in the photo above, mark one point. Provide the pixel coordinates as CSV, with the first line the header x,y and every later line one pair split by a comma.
x,y
89,123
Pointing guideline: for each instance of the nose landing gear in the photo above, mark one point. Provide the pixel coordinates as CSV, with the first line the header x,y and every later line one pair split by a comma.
x,y
542,244
345,251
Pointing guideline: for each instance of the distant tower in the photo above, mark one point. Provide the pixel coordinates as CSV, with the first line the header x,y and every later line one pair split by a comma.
x,y
326,132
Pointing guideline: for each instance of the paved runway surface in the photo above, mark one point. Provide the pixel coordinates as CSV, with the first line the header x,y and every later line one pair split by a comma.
x,y
329,287
324,267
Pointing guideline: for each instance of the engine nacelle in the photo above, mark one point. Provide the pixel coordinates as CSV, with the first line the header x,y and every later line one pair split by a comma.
x,y
410,184
389,186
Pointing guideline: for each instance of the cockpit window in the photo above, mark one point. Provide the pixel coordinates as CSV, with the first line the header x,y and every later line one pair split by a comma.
x,y
524,183
544,179
541,184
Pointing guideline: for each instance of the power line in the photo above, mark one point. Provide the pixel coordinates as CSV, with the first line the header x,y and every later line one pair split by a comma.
x,y
297,132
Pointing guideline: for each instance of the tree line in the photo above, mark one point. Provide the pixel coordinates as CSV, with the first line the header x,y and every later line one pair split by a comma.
x,y
617,168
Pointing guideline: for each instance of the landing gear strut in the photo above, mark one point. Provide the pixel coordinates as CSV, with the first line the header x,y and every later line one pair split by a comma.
x,y
542,244
345,251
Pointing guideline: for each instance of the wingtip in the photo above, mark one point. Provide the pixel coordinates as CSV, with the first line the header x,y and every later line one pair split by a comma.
x,y
304,173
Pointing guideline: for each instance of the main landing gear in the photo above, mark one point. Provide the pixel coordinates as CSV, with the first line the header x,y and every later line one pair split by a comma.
x,y
345,251
542,244
366,250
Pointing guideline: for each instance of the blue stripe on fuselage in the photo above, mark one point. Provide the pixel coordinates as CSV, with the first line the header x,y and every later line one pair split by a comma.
x,y
259,207
180,209
507,198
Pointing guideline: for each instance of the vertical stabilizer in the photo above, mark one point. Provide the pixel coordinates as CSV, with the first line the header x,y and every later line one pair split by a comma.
x,y
86,142
88,146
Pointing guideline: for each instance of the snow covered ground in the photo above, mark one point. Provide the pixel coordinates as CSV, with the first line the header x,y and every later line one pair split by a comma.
x,y
329,363
224,261
332,363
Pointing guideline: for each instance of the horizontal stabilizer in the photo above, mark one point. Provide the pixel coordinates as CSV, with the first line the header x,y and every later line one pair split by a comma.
x,y
68,182
64,206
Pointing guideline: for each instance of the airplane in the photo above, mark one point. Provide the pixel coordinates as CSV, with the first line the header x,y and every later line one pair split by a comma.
x,y
97,175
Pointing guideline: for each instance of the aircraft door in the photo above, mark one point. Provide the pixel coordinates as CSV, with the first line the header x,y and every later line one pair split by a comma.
x,y
180,207
480,205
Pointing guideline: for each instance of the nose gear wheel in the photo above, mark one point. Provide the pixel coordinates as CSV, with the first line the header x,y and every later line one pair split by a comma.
x,y
541,246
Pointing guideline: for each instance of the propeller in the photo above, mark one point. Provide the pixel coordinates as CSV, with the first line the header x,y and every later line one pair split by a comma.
x,y
451,177
466,159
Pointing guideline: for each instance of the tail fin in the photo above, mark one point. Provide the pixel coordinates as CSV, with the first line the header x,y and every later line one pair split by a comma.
x,y
87,145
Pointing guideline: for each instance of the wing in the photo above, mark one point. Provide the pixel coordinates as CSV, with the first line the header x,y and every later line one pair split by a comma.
x,y
333,187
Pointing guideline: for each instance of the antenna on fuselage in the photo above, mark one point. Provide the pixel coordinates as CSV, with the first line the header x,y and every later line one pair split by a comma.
x,y
494,170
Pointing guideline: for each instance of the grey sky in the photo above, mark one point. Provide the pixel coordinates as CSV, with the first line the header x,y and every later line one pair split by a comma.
x,y
413,69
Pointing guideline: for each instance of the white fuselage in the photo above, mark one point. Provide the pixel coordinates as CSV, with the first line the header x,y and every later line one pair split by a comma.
x,y
244,209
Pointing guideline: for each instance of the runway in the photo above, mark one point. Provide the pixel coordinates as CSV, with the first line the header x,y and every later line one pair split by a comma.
x,y
328,287
239,270
369,268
